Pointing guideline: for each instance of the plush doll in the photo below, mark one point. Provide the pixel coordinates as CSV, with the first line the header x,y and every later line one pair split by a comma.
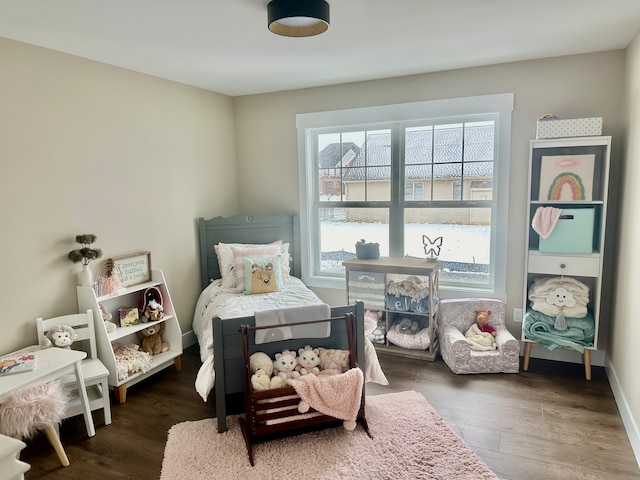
x,y
261,367
152,339
150,305
152,312
308,361
106,316
261,360
260,380
482,319
61,336
284,366
407,326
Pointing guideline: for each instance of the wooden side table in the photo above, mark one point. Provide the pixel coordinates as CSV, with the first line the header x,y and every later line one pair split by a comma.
x,y
51,363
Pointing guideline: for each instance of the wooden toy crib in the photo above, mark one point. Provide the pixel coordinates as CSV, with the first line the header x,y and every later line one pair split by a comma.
x,y
273,413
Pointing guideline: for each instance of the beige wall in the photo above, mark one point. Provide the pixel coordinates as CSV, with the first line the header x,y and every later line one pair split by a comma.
x,y
623,347
86,147
574,86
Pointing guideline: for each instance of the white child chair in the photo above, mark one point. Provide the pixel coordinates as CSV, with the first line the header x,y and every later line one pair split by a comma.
x,y
95,373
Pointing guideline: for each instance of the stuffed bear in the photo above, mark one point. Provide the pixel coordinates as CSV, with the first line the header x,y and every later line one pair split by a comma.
x,y
260,380
261,367
482,319
284,366
152,339
61,336
308,361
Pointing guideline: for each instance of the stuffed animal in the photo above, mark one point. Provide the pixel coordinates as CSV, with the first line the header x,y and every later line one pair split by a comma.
x,y
482,319
152,312
308,361
61,336
152,342
150,305
407,326
106,316
284,366
379,333
260,380
261,360
261,367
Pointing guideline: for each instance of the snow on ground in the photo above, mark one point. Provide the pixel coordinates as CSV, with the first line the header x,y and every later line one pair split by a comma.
x,y
461,243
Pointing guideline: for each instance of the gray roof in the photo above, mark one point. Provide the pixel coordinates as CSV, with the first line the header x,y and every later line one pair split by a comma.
x,y
330,156
427,155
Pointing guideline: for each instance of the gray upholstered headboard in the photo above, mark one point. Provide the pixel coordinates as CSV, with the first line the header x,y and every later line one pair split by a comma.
x,y
246,229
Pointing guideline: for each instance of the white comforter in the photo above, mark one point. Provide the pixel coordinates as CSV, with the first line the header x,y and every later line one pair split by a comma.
x,y
223,302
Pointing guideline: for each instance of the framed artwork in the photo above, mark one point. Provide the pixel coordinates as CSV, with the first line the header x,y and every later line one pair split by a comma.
x,y
566,177
134,268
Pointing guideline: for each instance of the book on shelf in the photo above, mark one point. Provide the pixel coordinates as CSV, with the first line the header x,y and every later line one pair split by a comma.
x,y
17,363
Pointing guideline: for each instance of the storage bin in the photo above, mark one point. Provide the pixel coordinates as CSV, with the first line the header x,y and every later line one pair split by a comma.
x,y
572,234
570,127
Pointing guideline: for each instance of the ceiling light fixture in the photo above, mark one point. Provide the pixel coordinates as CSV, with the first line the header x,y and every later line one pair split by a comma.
x,y
298,18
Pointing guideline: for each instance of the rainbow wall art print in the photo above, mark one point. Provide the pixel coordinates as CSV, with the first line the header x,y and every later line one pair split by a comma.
x,y
566,178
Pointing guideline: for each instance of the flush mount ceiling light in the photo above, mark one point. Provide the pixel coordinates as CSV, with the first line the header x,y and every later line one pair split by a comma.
x,y
298,18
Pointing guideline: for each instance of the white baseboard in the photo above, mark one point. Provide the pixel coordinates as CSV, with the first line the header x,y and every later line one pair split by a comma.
x,y
629,422
189,338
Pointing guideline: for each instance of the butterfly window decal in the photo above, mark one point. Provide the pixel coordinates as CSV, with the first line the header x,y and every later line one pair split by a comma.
x,y
431,247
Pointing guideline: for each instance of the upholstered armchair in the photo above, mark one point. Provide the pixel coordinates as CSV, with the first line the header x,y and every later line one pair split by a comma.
x,y
454,318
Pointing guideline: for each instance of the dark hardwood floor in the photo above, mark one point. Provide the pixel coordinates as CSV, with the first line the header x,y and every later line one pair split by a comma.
x,y
545,424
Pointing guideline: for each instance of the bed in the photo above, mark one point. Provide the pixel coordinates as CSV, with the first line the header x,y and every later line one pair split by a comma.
x,y
221,309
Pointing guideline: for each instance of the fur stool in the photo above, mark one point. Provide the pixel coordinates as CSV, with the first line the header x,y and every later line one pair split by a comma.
x,y
34,408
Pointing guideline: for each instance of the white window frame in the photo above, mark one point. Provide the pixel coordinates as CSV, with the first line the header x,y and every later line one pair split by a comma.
x,y
434,110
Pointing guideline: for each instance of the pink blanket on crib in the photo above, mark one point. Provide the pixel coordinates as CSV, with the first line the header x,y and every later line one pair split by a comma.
x,y
336,395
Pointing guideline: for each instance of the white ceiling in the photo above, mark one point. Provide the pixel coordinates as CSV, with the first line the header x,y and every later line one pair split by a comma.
x,y
225,46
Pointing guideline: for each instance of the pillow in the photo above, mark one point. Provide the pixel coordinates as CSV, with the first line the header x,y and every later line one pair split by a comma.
x,y
254,252
285,263
334,359
226,262
262,275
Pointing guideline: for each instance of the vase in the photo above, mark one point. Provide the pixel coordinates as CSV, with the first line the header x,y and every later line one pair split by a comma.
x,y
86,277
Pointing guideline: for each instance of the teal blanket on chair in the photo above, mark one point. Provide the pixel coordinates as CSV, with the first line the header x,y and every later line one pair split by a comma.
x,y
539,328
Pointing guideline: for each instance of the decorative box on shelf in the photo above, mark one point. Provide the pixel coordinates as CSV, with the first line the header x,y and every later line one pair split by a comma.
x,y
550,127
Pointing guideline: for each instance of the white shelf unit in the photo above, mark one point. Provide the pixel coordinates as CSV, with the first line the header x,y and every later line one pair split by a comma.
x,y
130,297
586,267
378,273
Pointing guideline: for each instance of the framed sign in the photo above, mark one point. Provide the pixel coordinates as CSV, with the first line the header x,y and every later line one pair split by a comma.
x,y
133,269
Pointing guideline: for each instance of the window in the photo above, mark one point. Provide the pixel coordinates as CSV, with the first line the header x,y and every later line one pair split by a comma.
x,y
413,191
393,174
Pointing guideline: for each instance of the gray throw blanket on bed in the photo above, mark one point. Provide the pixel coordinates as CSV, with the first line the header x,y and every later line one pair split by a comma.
x,y
285,316
539,328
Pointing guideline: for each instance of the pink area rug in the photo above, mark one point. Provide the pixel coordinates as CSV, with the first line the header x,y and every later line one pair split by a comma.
x,y
410,441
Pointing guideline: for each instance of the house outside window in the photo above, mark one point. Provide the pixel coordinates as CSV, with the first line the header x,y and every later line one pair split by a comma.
x,y
393,181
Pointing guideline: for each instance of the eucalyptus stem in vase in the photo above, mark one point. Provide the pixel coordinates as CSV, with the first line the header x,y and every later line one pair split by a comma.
x,y
85,255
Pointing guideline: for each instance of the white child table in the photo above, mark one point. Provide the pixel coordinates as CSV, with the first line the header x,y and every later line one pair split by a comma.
x,y
51,363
